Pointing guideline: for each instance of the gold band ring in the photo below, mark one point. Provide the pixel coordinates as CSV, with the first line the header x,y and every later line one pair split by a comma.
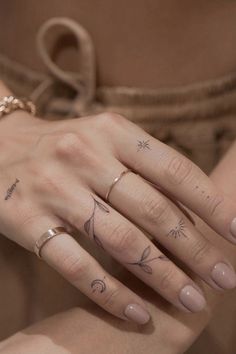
x,y
46,237
115,181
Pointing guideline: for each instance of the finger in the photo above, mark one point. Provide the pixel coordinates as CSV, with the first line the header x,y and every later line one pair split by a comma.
x,y
77,266
156,214
175,173
113,233
169,196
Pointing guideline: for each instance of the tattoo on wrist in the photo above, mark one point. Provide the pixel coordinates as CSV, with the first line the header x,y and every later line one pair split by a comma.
x,y
143,145
142,263
89,224
11,189
178,230
98,285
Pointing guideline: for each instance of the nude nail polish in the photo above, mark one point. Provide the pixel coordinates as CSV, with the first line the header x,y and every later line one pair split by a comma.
x,y
233,227
137,313
192,299
224,276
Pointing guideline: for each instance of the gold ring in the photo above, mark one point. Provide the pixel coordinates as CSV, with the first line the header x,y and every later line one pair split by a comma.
x,y
115,181
46,237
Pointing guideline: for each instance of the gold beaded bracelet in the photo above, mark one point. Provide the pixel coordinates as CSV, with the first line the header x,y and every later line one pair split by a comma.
x,y
10,103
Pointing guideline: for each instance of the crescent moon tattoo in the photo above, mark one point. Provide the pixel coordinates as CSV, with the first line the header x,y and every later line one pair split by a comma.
x,y
98,285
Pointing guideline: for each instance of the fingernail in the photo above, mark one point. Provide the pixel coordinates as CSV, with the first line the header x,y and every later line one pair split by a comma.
x,y
192,299
233,227
137,313
224,276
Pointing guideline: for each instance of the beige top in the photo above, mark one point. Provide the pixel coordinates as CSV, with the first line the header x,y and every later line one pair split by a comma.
x,y
151,43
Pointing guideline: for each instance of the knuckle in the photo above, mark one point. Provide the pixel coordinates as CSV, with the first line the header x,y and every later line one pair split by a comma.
x,y
74,268
179,169
154,210
76,147
70,145
111,299
47,180
167,279
214,202
121,239
200,250
26,218
107,118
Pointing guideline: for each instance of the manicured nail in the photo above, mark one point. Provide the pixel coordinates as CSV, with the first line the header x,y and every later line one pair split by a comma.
x,y
137,313
233,227
192,299
224,276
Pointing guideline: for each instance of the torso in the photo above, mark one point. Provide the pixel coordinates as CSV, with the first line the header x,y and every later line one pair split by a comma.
x,y
138,43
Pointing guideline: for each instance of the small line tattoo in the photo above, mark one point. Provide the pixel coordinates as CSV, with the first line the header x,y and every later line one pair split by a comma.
x,y
178,230
212,202
142,263
89,224
11,189
98,285
143,145
203,192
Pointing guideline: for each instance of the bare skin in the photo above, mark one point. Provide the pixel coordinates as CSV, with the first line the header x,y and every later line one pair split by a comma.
x,y
66,332
162,78
65,166
188,329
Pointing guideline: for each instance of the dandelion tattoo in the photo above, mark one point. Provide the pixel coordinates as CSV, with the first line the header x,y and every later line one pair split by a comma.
x,y
142,263
98,285
89,224
11,189
178,230
143,145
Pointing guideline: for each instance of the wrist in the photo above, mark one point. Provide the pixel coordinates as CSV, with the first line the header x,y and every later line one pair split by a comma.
x,y
17,121
16,118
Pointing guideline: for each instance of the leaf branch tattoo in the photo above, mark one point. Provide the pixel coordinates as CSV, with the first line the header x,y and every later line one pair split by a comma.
x,y
178,230
143,145
89,224
11,189
142,263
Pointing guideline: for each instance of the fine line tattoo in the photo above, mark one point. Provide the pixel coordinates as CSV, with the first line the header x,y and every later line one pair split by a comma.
x,y
143,145
142,263
11,189
89,224
98,285
178,230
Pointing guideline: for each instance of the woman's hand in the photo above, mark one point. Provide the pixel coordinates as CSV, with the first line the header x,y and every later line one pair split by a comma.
x,y
58,173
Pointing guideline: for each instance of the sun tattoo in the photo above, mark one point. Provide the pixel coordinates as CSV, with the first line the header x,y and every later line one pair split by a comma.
x,y
143,145
142,263
89,224
178,230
